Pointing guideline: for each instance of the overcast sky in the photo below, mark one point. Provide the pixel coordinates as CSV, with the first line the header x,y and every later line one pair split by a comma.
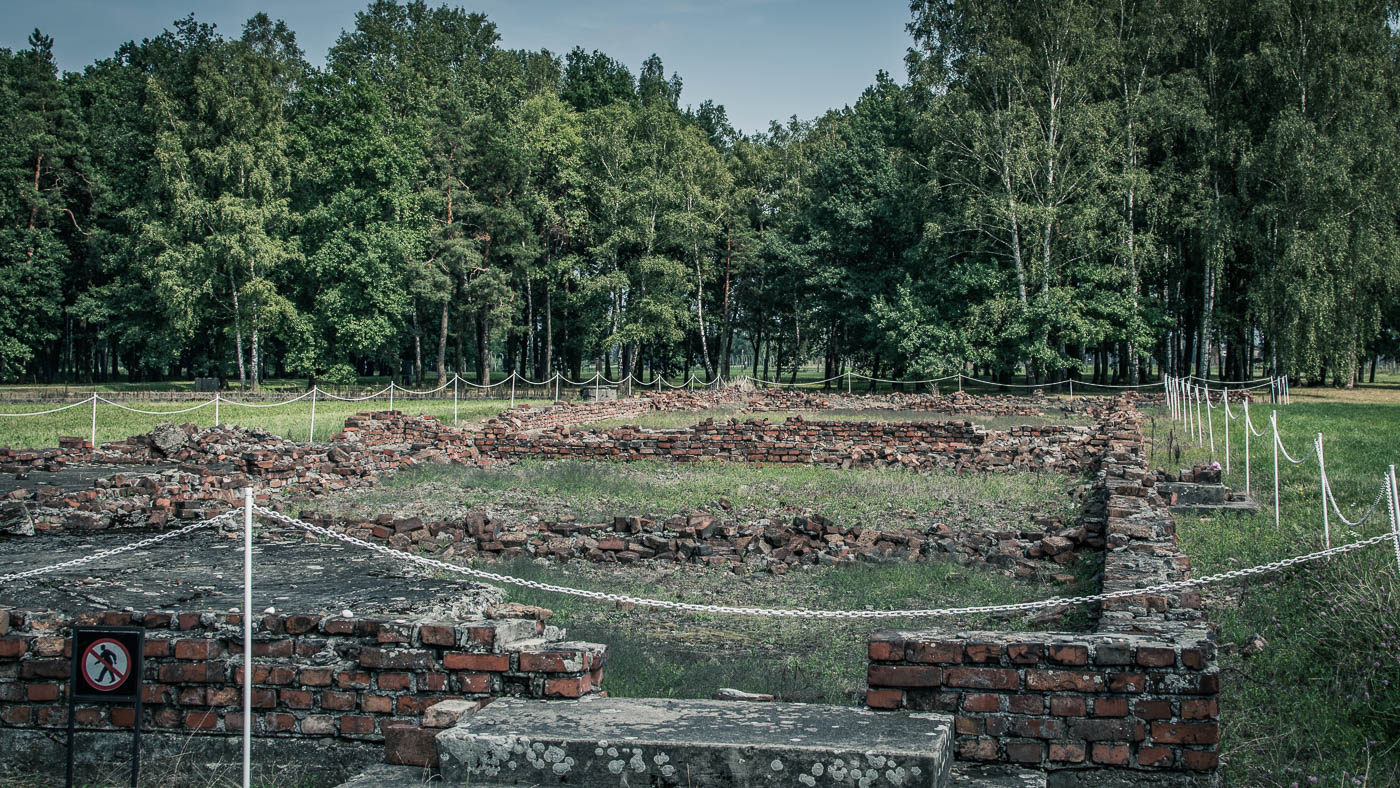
x,y
762,59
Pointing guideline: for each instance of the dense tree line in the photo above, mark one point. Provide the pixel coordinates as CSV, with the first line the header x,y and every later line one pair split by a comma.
x,y
1098,188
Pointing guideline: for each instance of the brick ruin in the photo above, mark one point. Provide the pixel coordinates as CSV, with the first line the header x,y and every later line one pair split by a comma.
x,y
1137,693
316,675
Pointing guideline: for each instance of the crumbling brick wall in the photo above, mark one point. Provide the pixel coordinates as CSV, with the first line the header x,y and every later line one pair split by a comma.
x,y
313,675
1140,692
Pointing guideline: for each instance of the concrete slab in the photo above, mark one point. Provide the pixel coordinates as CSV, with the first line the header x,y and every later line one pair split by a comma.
x,y
385,776
972,775
694,743
203,572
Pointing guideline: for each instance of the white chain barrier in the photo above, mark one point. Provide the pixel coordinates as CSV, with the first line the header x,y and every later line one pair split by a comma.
x,y
87,559
663,604
1383,492
1389,491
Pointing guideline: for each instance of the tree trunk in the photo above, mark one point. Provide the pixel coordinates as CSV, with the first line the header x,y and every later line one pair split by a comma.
x,y
442,345
483,349
548,349
238,335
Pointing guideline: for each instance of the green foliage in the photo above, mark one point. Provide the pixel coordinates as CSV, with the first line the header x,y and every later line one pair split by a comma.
x,y
1144,185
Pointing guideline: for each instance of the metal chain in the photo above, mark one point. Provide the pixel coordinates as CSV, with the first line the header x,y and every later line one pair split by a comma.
x,y
43,570
1287,456
1333,498
820,614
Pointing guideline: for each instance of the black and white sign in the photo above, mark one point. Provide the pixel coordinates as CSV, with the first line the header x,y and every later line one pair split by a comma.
x,y
107,663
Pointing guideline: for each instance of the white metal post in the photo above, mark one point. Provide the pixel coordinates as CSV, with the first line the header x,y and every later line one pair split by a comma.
x,y
1225,408
556,388
454,399
512,389
1247,430
1071,388
391,396
311,433
1395,515
1273,424
1322,474
94,420
1210,424
216,409
247,634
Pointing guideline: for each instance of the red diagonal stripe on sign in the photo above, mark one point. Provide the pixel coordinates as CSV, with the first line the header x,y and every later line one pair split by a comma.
x,y
120,676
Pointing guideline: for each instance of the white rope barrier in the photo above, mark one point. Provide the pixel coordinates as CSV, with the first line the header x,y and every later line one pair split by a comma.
x,y
268,404
375,395
205,404
78,404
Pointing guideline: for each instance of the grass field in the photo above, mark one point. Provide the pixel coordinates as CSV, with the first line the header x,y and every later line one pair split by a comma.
x,y
685,655
682,419
292,421
596,491
663,654
1323,698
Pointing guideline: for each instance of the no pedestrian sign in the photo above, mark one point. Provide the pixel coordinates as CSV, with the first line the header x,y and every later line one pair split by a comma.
x,y
107,663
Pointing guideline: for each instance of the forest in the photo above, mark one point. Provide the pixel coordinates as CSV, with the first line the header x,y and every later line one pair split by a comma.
x,y
1102,189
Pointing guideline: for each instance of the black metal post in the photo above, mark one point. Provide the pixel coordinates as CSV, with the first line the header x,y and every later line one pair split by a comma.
x,y
68,773
136,741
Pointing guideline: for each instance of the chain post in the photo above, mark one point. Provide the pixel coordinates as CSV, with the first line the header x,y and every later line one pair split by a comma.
x,y
1273,425
247,635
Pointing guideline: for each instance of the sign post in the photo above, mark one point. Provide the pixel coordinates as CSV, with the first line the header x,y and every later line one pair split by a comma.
x,y
107,664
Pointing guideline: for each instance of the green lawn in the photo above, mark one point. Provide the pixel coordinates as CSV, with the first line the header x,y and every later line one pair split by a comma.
x,y
1323,698
666,654
292,421
596,491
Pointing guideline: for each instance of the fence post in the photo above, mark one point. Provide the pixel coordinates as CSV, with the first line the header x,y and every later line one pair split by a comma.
x,y
959,381
1273,425
391,396
1247,430
216,409
1395,515
1225,407
1322,473
454,398
311,434
94,420
556,388
247,634
512,389
1210,424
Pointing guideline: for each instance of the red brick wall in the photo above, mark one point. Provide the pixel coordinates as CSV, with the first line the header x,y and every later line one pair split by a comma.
x,y
313,675
1140,692
1059,700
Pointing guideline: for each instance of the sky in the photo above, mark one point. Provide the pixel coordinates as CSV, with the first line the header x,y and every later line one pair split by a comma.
x,y
762,59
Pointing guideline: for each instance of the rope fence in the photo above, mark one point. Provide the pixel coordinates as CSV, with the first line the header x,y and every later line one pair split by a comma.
x,y
1178,391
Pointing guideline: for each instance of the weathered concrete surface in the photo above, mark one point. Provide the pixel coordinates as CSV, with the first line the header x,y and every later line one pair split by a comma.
x,y
972,775
203,571
1204,499
385,776
177,759
694,743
